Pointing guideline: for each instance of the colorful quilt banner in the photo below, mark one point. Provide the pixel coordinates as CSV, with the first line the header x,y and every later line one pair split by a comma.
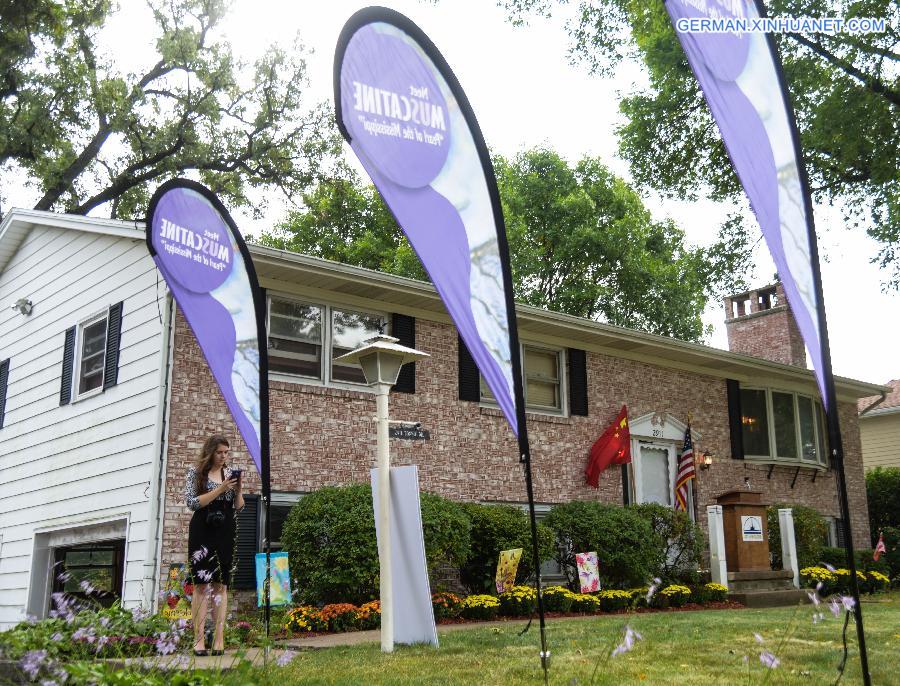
x,y
588,571
178,594
740,76
406,117
280,584
507,566
203,259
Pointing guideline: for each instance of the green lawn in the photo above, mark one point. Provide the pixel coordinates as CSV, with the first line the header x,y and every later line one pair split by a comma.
x,y
681,648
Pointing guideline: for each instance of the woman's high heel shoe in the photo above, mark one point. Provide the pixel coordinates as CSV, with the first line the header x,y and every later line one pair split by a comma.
x,y
216,652
201,653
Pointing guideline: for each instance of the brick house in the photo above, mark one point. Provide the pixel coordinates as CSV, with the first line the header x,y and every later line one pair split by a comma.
x,y
578,375
101,470
879,428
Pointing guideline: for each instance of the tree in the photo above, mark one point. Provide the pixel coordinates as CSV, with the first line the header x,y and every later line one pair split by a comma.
x,y
88,136
345,221
845,90
581,242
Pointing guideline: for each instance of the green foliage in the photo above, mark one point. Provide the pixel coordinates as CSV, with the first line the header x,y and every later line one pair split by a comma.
x,y
629,550
496,528
88,135
519,601
892,557
581,242
883,494
809,531
446,605
330,537
682,538
843,87
837,557
558,599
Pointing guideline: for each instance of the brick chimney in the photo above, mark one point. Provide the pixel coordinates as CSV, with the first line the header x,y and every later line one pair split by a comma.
x,y
760,323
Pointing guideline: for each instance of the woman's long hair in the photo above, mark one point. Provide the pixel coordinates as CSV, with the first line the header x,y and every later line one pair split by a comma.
x,y
205,461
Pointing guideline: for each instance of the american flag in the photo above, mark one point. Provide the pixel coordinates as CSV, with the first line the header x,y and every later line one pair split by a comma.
x,y
685,471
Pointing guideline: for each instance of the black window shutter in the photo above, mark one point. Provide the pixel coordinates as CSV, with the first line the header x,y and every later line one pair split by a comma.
x,y
469,376
247,544
840,533
404,328
735,425
4,378
68,362
626,486
578,396
113,336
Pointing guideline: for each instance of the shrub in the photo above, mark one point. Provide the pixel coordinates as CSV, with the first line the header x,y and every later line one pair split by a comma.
x,y
842,581
339,616
811,577
557,599
368,616
330,536
878,582
809,531
883,494
303,619
630,550
519,601
446,605
682,540
837,557
496,528
585,602
713,593
614,599
480,607
674,595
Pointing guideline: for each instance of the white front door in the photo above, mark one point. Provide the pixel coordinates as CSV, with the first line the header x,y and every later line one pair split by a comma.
x,y
654,473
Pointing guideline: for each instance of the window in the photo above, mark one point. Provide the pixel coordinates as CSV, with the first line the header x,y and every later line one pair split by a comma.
x,y
90,361
304,339
278,511
543,380
100,564
783,426
90,356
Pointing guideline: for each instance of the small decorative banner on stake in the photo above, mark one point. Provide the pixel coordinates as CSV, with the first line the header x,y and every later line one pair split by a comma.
x,y
588,571
280,590
179,591
507,566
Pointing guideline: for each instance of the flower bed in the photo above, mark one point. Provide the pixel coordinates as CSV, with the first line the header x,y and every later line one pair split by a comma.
x,y
830,581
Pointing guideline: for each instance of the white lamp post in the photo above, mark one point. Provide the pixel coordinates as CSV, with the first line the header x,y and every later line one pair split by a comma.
x,y
381,358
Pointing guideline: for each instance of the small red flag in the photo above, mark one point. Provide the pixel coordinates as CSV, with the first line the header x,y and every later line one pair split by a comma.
x,y
613,447
879,548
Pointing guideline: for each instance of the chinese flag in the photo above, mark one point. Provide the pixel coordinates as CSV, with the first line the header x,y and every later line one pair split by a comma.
x,y
613,447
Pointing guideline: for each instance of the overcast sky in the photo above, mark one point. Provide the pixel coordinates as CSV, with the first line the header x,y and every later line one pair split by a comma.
x,y
525,93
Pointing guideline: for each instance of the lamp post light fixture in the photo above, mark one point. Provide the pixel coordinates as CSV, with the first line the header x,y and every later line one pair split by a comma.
x,y
704,460
381,358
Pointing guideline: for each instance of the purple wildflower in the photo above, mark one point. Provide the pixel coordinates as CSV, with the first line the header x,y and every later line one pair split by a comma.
x,y
827,566
84,634
63,577
204,575
652,589
835,607
818,617
769,660
628,641
56,637
814,598
138,614
166,643
199,554
759,639
104,622
49,682
102,641
285,658
31,662
848,602
86,587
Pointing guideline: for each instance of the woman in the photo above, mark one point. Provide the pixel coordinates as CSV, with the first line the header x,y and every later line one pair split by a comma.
x,y
213,492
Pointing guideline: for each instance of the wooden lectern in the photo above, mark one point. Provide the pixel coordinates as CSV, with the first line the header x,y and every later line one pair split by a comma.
x,y
746,533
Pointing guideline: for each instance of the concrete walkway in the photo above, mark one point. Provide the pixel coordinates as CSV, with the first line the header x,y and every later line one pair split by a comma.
x,y
352,638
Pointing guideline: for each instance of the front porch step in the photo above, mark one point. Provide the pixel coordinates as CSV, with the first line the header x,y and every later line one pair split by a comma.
x,y
769,598
761,585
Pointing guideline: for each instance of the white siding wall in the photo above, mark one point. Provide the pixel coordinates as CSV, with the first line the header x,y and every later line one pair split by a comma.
x,y
91,460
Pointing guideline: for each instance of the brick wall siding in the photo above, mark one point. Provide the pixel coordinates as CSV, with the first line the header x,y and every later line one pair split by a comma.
x,y
322,437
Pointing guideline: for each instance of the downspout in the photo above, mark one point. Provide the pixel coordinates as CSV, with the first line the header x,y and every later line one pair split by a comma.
x,y
157,498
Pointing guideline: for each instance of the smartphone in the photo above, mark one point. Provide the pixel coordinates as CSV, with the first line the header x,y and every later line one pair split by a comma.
x,y
236,473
